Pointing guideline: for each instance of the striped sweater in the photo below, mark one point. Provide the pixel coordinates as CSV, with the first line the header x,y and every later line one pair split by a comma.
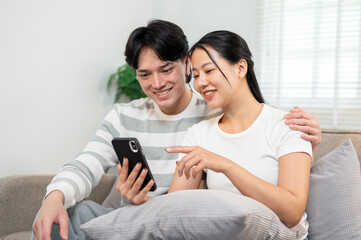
x,y
155,131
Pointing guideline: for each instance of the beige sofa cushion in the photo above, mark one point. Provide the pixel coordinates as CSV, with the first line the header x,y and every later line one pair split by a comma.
x,y
331,139
17,236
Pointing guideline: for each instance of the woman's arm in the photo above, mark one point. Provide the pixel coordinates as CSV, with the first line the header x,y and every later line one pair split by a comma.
x,y
182,183
288,199
192,165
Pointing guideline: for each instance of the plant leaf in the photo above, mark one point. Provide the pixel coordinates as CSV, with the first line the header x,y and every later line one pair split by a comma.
x,y
126,82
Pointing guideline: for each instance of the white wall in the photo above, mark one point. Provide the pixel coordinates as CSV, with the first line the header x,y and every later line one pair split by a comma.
x,y
55,59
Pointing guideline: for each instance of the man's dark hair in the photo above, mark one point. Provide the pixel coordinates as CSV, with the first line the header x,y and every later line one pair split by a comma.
x,y
166,39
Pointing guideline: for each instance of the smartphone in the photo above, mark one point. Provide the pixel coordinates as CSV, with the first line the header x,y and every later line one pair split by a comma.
x,y
131,149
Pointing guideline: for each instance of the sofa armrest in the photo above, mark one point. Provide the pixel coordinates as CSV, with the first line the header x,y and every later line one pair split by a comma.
x,y
21,198
102,190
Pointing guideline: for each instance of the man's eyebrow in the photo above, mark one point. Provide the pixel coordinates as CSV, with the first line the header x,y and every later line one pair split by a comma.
x,y
203,65
166,65
161,67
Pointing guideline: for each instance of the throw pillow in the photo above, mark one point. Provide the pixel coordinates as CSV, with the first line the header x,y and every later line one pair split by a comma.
x,y
334,200
192,214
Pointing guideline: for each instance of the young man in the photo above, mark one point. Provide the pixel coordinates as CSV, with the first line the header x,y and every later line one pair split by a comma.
x,y
158,53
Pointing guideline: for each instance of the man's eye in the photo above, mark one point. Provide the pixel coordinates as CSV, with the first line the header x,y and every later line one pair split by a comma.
x,y
167,70
144,75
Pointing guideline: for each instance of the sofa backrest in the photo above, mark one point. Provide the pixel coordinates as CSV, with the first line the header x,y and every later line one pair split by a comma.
x,y
334,138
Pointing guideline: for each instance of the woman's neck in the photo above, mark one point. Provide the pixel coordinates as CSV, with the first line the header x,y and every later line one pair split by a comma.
x,y
240,115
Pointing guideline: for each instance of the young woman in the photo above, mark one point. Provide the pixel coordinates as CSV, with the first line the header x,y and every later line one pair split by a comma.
x,y
248,149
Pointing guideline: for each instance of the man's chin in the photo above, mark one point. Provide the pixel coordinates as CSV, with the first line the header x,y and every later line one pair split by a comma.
x,y
167,106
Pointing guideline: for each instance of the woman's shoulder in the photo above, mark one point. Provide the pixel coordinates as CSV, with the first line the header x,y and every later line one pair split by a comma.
x,y
274,120
274,112
205,125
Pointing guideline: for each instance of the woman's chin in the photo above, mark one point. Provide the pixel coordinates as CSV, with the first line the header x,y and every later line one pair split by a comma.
x,y
213,105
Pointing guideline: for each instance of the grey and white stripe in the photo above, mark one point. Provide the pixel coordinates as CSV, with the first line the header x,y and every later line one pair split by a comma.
x,y
141,119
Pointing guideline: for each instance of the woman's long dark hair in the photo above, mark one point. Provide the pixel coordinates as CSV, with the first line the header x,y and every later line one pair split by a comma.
x,y
233,48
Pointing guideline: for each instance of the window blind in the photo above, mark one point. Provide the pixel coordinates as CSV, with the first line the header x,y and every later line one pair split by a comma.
x,y
308,54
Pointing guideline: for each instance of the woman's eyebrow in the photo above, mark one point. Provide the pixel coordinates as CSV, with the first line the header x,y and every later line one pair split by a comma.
x,y
205,64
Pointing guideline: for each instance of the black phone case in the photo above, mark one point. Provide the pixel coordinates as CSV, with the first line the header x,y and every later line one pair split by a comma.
x,y
123,149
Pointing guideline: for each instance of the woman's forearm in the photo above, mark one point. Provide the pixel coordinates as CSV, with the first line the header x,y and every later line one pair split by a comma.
x,y
289,206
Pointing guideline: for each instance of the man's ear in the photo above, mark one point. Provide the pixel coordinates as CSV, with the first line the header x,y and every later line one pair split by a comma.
x,y
187,63
242,67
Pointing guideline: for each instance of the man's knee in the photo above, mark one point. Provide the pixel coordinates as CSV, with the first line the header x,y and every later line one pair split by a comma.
x,y
86,210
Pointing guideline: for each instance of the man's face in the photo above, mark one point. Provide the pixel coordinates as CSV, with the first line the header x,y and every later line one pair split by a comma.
x,y
163,81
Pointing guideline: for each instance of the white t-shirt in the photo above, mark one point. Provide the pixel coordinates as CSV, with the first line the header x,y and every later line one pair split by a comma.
x,y
257,149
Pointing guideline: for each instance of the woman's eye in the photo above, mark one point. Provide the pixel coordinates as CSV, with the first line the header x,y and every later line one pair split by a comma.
x,y
195,76
210,70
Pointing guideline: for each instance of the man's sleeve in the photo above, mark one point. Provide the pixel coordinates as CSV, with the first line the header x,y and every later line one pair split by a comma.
x,y
77,178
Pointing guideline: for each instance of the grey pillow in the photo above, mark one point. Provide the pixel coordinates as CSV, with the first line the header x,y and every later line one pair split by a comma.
x,y
192,214
334,200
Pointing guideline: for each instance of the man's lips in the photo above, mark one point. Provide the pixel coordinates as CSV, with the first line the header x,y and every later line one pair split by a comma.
x,y
162,93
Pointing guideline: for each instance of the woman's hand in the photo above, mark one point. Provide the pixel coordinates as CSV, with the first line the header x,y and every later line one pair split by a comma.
x,y
197,159
298,119
129,186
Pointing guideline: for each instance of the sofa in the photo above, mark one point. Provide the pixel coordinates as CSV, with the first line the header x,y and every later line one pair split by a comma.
x,y
21,196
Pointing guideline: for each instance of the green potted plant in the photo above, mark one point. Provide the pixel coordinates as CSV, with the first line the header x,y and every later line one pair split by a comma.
x,y
126,83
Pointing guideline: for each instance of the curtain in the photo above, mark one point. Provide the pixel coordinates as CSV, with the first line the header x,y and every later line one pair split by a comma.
x,y
308,54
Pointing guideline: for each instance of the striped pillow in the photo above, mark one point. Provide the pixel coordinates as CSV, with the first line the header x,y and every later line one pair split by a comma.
x,y
192,214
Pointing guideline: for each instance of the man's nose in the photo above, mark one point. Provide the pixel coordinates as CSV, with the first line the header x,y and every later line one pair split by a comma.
x,y
157,81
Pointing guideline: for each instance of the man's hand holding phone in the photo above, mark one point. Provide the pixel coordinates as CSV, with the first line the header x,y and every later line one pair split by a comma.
x,y
129,186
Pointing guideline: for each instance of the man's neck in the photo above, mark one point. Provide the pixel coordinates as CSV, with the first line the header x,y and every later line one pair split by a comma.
x,y
181,104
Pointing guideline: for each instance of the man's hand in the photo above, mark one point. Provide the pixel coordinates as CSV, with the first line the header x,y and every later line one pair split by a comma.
x,y
52,211
298,119
129,186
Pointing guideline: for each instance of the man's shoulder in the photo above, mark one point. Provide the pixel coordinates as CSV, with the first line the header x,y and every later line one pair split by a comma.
x,y
141,103
138,106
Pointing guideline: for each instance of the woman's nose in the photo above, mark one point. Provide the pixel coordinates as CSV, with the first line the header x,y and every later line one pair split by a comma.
x,y
203,81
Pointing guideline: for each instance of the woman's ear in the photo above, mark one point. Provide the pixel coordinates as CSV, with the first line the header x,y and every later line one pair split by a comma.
x,y
242,67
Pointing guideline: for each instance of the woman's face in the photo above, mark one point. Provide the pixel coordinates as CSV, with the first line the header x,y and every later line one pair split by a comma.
x,y
209,80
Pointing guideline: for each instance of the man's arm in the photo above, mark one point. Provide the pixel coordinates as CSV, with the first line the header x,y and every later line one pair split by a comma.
x,y
52,211
298,119
75,180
